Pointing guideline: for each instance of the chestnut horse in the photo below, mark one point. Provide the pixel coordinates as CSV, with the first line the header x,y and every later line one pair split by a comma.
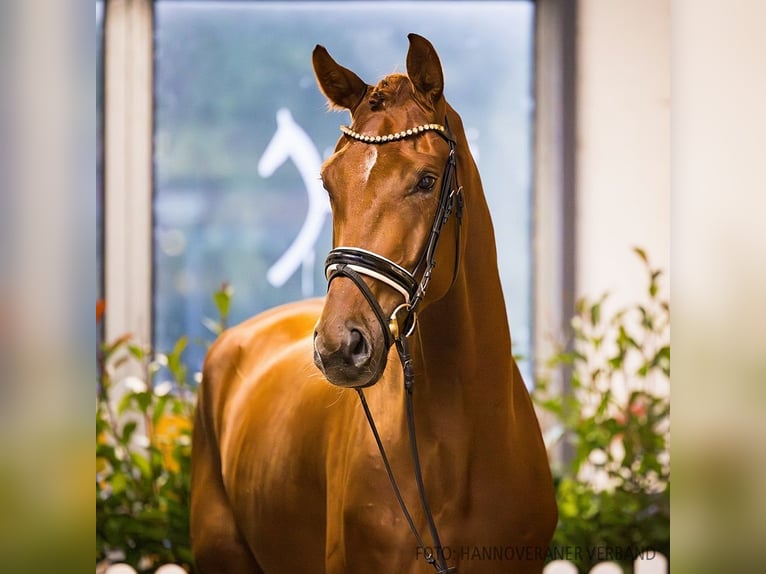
x,y
286,474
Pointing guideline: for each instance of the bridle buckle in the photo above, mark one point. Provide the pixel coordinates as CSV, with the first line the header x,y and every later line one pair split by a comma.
x,y
395,327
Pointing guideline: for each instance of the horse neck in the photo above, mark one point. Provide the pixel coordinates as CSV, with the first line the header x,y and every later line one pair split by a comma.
x,y
464,346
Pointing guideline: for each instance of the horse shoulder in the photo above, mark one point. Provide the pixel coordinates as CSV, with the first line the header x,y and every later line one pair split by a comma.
x,y
244,351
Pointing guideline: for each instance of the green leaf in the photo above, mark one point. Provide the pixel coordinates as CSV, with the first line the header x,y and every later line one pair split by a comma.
x,y
110,348
102,426
662,354
579,356
143,400
124,404
136,351
185,554
142,464
624,340
175,365
128,430
597,342
604,403
159,409
180,346
118,483
662,360
222,300
107,452
642,254
595,313
552,405
646,318
580,306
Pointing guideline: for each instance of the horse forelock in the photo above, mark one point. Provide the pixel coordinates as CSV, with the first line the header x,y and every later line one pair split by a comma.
x,y
392,105
392,90
388,91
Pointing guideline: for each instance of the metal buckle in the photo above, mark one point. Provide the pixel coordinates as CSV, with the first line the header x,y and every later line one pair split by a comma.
x,y
393,322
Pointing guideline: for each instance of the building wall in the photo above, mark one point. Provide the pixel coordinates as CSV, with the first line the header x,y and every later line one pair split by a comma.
x,y
623,143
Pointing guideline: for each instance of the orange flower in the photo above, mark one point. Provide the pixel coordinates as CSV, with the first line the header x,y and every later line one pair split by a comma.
x,y
169,432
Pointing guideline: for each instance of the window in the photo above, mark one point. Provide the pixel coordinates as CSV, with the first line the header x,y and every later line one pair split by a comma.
x,y
233,80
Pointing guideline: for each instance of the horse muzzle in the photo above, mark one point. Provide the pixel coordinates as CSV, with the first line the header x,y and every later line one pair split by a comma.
x,y
348,355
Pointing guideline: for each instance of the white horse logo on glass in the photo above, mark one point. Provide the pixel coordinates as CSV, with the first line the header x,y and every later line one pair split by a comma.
x,y
291,142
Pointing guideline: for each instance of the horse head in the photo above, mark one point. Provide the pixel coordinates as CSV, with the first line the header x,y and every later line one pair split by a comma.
x,y
383,180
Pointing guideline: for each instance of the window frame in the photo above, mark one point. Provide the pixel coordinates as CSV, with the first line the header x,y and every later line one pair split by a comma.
x,y
554,195
128,125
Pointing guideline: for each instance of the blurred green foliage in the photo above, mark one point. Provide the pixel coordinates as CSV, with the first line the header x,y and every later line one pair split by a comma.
x,y
614,426
143,450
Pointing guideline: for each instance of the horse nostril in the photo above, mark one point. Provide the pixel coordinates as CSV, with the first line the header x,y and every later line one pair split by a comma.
x,y
357,348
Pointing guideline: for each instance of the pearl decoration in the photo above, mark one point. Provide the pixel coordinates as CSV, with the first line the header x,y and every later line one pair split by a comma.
x,y
392,137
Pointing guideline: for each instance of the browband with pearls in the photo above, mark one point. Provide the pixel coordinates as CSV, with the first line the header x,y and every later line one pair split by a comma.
x,y
393,137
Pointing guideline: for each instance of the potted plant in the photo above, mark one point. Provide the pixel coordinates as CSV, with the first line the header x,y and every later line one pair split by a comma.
x,y
613,425
143,450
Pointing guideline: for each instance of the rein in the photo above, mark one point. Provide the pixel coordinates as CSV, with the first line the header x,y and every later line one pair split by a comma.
x,y
354,262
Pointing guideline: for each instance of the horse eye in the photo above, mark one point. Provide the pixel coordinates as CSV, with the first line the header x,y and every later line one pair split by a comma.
x,y
426,182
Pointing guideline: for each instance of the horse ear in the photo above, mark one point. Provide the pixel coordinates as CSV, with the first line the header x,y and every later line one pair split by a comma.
x,y
424,68
340,85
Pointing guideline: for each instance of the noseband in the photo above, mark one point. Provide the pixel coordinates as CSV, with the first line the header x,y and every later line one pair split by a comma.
x,y
354,263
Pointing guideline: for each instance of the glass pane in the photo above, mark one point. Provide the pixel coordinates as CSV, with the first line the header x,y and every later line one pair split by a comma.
x,y
228,72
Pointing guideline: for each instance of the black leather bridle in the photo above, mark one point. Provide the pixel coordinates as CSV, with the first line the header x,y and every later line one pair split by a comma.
x,y
354,263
